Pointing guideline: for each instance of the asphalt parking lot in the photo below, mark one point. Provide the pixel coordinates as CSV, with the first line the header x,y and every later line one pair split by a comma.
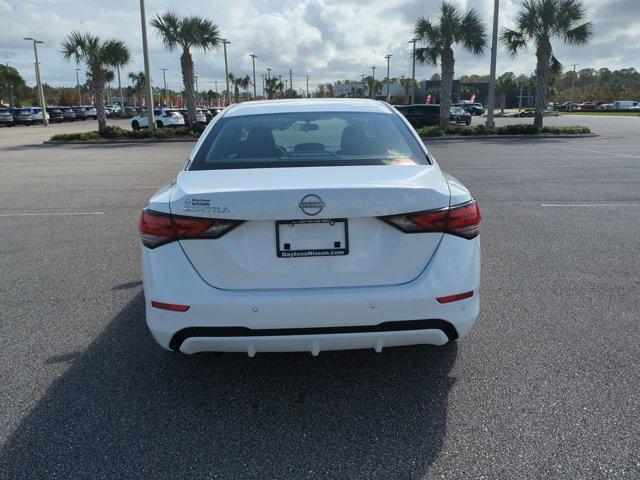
x,y
545,386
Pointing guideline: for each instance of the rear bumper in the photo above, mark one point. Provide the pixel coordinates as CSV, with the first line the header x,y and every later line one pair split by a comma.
x,y
311,319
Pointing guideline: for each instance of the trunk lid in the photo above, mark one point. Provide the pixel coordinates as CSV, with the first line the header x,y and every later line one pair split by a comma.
x,y
248,256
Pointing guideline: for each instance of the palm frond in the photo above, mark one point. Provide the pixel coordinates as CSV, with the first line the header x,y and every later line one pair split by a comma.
x,y
580,35
514,42
168,26
428,55
115,53
473,33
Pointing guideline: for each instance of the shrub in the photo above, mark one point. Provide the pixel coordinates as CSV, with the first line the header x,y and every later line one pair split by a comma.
x,y
517,129
573,130
431,132
113,132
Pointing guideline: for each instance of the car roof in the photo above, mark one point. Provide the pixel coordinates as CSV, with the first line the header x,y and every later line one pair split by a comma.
x,y
308,105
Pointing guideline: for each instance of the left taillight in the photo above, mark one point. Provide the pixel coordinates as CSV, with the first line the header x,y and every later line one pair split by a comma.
x,y
460,220
160,228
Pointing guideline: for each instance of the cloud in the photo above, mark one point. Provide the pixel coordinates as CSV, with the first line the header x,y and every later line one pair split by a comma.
x,y
325,39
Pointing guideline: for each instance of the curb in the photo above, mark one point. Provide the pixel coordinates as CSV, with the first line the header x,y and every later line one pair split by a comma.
x,y
124,141
490,137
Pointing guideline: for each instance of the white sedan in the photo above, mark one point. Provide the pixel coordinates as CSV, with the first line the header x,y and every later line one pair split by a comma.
x,y
310,225
164,117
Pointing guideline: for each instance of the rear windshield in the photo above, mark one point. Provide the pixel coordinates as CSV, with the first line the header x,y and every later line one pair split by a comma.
x,y
306,139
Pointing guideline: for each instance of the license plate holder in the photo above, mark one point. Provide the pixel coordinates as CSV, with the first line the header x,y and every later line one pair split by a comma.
x,y
318,237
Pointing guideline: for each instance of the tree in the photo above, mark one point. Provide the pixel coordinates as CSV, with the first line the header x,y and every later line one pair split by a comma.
x,y
438,39
272,85
187,33
407,84
100,56
373,85
506,82
537,22
11,83
139,81
238,83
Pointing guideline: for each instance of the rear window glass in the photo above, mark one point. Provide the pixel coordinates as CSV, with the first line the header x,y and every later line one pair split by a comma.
x,y
308,139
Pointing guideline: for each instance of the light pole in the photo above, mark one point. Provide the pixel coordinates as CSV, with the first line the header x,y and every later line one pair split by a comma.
x,y
164,79
45,122
147,69
253,61
573,82
268,73
291,81
120,90
226,42
388,57
197,94
307,86
373,82
413,71
78,85
492,75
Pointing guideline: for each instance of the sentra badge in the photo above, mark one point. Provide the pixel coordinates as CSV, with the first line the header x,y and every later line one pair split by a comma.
x,y
202,205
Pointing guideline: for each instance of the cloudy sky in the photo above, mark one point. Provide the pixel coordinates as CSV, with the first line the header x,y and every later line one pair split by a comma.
x,y
325,39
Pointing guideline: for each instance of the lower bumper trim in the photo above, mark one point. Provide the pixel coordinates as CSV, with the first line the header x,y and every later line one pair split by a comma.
x,y
180,336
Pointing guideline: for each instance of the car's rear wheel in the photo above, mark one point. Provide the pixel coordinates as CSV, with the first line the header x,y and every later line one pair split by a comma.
x,y
159,124
135,126
468,122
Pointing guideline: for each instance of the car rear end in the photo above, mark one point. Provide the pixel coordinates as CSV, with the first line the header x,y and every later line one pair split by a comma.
x,y
22,116
172,118
321,226
6,118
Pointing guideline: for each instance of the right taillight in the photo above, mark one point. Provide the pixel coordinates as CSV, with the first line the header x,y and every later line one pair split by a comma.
x,y
159,228
461,220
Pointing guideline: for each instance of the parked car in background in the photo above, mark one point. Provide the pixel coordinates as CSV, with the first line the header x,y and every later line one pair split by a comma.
x,y
420,115
130,111
213,112
55,115
200,116
69,115
112,109
458,115
473,108
21,116
625,105
165,117
36,114
90,111
6,118
589,106
81,113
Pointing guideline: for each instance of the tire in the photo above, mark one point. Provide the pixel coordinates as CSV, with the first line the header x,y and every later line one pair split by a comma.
x,y
159,124
135,126
468,122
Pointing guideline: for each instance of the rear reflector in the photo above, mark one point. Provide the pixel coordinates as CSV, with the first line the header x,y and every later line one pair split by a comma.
x,y
159,228
455,298
460,220
170,306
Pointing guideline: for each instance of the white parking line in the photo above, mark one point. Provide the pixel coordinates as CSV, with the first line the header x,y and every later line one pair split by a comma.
x,y
595,151
590,204
48,214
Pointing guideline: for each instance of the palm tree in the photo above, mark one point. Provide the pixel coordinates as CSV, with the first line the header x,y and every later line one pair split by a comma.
x,y
407,84
100,56
138,80
187,33
506,82
272,85
238,83
537,22
373,85
438,39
